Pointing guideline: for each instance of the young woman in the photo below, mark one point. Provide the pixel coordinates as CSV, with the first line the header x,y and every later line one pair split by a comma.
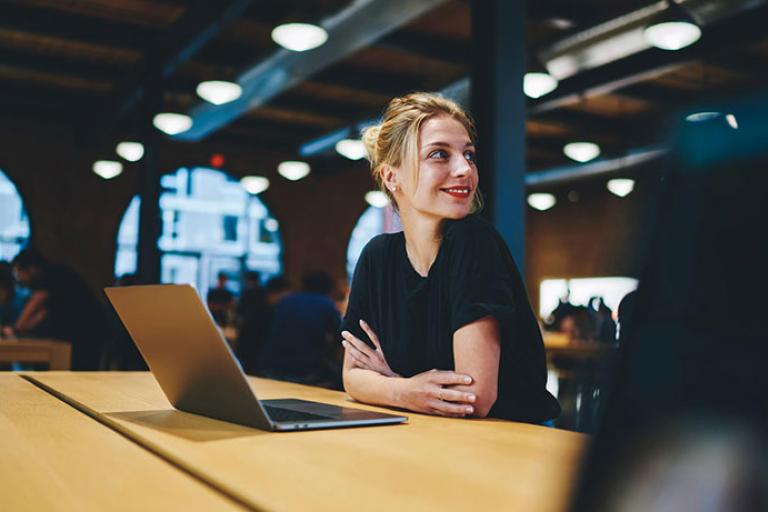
x,y
438,319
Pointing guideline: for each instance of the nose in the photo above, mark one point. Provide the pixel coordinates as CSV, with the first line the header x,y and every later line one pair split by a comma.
x,y
461,167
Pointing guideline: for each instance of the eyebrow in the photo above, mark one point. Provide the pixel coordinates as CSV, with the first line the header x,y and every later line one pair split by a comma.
x,y
445,144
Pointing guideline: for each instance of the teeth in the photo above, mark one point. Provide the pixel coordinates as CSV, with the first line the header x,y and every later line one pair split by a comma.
x,y
458,190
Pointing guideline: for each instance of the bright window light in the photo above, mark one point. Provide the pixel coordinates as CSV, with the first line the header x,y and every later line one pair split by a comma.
x,y
255,184
621,187
219,92
299,37
536,85
107,169
579,291
377,198
293,170
172,123
672,35
131,151
581,151
353,149
541,201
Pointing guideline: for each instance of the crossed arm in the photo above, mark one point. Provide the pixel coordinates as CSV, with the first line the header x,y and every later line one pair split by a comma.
x,y
470,390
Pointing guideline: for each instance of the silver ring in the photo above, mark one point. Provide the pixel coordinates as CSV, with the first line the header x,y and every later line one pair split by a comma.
x,y
440,394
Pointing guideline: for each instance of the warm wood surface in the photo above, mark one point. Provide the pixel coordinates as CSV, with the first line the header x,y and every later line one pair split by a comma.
x,y
56,353
429,464
53,457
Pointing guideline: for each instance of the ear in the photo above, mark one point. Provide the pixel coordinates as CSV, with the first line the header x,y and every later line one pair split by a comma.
x,y
390,176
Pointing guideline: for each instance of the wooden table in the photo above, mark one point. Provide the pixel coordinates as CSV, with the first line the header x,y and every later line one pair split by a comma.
x,y
56,353
53,457
429,464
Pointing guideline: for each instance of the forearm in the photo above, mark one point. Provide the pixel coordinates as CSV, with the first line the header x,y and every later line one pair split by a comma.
x,y
372,388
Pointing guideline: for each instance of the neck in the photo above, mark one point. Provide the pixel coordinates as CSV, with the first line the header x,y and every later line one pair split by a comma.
x,y
423,236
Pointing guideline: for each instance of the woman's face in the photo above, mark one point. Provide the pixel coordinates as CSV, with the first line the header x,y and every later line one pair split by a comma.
x,y
447,173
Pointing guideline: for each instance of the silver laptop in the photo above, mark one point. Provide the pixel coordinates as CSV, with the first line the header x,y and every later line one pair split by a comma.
x,y
198,372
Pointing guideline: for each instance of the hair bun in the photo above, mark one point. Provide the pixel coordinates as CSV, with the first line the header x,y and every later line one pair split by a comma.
x,y
370,138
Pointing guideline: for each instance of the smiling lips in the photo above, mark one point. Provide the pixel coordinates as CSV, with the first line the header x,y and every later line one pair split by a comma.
x,y
459,192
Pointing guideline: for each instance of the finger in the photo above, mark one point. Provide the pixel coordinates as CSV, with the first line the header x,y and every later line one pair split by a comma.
x,y
354,353
449,408
453,395
357,343
447,378
370,333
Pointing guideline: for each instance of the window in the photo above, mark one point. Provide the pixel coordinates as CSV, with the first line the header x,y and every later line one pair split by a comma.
x,y
372,222
611,289
14,225
210,225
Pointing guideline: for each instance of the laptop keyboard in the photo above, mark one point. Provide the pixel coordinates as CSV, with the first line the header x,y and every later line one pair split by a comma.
x,y
280,414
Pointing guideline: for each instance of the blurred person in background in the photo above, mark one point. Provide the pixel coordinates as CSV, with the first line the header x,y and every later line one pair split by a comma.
x,y
221,301
11,301
301,346
61,306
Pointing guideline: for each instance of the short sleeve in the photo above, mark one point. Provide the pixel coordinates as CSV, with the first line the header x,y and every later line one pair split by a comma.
x,y
357,306
481,277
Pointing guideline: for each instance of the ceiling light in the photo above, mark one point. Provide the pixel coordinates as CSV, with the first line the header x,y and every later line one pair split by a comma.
x,y
620,186
271,224
376,198
172,123
255,184
107,169
219,92
541,201
672,29
732,122
581,151
299,37
293,170
354,149
698,117
536,84
131,151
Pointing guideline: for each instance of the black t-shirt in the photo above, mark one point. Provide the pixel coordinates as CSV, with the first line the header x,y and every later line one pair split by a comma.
x,y
415,317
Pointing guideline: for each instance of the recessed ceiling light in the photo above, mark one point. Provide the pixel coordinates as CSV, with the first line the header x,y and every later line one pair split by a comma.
x,y
299,37
581,151
219,92
732,122
538,83
255,184
293,170
672,29
172,123
271,224
131,151
376,198
621,187
354,149
107,169
541,201
698,117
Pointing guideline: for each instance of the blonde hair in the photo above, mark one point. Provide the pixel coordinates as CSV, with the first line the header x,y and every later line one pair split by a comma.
x,y
395,141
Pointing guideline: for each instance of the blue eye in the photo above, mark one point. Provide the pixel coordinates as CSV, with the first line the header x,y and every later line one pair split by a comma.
x,y
470,156
438,153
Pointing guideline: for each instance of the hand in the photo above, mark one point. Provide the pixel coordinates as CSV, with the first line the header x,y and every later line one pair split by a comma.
x,y
364,356
426,392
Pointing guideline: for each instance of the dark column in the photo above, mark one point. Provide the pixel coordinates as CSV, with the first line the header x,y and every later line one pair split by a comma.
x,y
498,105
150,220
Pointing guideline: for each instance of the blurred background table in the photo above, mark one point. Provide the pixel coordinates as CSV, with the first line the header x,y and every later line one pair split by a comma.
x,y
57,354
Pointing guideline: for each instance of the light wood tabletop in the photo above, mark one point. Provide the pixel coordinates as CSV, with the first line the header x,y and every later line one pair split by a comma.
x,y
431,463
53,457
